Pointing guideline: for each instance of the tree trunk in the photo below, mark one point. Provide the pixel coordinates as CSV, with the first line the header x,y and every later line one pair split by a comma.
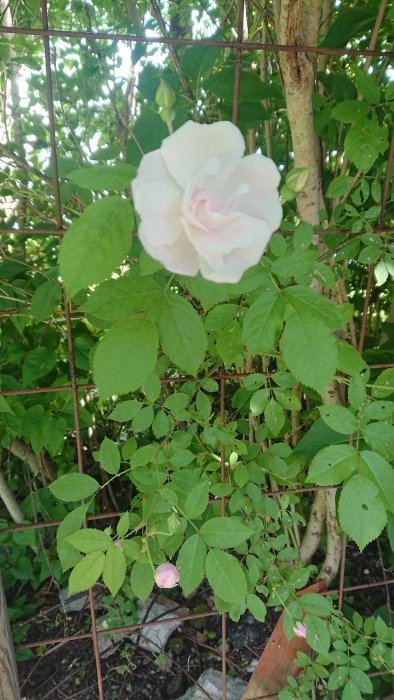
x,y
297,23
9,686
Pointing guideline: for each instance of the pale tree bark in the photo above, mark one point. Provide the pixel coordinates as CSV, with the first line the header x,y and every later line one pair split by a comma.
x,y
9,686
40,465
297,23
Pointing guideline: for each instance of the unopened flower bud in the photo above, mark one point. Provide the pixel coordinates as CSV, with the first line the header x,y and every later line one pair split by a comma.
x,y
233,459
165,96
300,630
173,522
167,115
297,179
166,576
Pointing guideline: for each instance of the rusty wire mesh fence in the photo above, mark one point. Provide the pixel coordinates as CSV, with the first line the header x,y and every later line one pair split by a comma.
x,y
77,390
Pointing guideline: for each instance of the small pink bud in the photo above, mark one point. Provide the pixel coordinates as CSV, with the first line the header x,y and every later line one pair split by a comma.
x,y
166,576
300,630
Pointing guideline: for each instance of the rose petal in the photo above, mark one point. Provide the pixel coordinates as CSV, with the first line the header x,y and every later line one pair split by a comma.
x,y
180,258
261,198
159,206
226,232
187,150
151,169
235,263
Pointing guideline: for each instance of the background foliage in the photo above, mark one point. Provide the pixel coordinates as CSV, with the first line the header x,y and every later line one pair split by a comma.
x,y
151,448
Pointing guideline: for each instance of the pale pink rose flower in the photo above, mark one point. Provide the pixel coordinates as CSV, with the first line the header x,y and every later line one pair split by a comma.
x,y
203,205
166,576
300,630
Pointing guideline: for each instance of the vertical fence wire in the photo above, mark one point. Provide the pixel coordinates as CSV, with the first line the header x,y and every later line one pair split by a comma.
x,y
239,46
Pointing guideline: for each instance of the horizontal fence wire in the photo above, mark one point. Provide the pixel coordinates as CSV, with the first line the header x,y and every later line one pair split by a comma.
x,y
239,46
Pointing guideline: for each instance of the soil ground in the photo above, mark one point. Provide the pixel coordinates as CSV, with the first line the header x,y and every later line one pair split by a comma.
x,y
67,671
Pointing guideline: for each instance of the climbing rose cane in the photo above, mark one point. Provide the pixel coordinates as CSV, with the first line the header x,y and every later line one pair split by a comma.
x,y
203,206
166,576
300,630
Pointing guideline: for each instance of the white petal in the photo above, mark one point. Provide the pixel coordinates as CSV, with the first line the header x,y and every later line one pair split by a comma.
x,y
225,233
151,169
188,149
238,261
159,206
180,257
259,195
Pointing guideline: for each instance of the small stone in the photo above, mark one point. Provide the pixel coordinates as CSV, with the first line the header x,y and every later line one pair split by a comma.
x,y
75,602
174,687
210,682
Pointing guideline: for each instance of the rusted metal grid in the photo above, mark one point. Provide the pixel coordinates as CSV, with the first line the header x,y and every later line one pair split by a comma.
x,y
239,47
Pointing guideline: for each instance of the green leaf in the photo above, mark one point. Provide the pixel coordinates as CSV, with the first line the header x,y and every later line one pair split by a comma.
x,y
361,511
96,243
380,436
141,580
338,677
349,111
381,473
348,24
252,89
103,177
144,455
332,465
384,384
367,86
305,299
287,399
256,607
226,576
73,487
225,532
274,417
143,420
263,322
38,363
339,185
90,540
316,604
125,410
318,636
161,424
114,570
364,141
45,299
4,407
349,360
309,350
197,500
86,572
119,298
181,333
259,401
351,692
67,554
109,456
362,681
339,419
191,563
121,363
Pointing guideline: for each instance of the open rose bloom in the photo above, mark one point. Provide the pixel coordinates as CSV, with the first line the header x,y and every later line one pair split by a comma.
x,y
203,205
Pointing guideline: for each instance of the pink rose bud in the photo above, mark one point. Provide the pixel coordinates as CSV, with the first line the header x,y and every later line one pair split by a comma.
x,y
300,630
166,576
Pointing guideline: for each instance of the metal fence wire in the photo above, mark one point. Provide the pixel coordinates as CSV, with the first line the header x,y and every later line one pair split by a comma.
x,y
239,47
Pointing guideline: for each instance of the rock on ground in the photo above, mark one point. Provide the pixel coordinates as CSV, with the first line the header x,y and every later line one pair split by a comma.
x,y
211,682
